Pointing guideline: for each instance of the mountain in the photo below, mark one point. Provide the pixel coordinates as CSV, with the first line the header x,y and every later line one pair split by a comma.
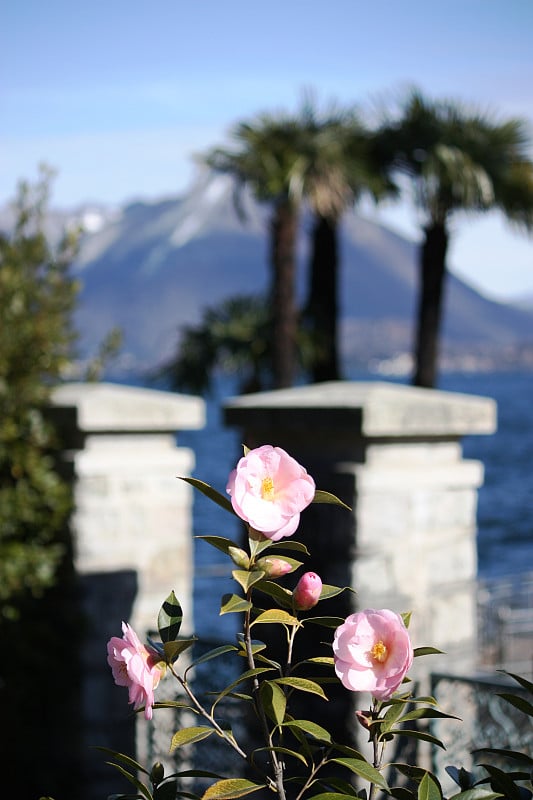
x,y
524,301
151,268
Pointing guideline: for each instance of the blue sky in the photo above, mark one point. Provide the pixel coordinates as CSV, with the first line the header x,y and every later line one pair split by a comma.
x,y
118,96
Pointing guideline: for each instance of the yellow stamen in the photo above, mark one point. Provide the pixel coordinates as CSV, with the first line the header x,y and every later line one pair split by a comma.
x,y
267,488
379,652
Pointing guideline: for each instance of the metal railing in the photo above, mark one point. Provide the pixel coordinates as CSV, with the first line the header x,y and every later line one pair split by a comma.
x,y
211,754
505,624
487,720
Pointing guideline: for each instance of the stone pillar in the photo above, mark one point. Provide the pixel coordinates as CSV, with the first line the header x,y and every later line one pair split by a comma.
x,y
393,453
132,531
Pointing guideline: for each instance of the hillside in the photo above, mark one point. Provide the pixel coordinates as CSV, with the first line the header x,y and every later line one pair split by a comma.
x,y
151,268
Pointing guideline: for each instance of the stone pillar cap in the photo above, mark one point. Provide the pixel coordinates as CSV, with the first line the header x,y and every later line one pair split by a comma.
x,y
376,408
106,407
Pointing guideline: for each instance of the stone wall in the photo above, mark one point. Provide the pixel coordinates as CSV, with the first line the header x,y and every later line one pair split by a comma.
x,y
393,453
132,529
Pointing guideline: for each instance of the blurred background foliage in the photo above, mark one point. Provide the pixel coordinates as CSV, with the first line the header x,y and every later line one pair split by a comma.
x,y
39,619
37,299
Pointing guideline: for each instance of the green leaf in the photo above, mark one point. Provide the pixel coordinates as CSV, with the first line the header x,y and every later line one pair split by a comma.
x,y
170,619
429,788
326,660
250,673
406,616
129,762
246,698
332,591
413,773
215,653
331,796
274,701
257,645
427,651
303,685
461,776
311,728
327,497
520,679
208,490
247,579
230,788
390,717
518,702
426,713
343,787
365,770
261,659
275,615
220,542
196,773
133,780
279,593
424,737
174,704
174,649
476,793
189,736
512,754
292,544
232,603
504,782
166,790
431,701
258,542
326,622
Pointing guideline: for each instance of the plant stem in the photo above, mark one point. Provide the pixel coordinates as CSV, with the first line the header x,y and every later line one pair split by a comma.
x,y
201,710
377,751
310,779
292,636
277,766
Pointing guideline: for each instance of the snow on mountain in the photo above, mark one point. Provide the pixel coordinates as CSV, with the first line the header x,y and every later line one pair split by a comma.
x,y
153,267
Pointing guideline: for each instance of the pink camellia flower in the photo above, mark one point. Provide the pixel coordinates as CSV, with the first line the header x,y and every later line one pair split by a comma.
x,y
307,591
134,666
373,652
269,489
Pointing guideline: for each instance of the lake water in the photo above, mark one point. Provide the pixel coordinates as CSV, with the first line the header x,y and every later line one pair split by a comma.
x,y
505,509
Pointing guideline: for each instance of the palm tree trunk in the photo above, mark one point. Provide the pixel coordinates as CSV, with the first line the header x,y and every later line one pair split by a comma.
x,y
284,315
322,302
432,277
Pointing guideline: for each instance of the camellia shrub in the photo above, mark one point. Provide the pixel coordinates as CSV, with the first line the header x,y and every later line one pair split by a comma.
x,y
371,655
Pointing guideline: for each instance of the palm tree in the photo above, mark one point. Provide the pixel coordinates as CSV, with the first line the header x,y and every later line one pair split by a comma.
x,y
233,338
340,167
268,160
457,160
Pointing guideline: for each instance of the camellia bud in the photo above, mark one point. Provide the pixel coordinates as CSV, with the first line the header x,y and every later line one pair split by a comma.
x,y
157,774
274,567
239,557
364,718
307,591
